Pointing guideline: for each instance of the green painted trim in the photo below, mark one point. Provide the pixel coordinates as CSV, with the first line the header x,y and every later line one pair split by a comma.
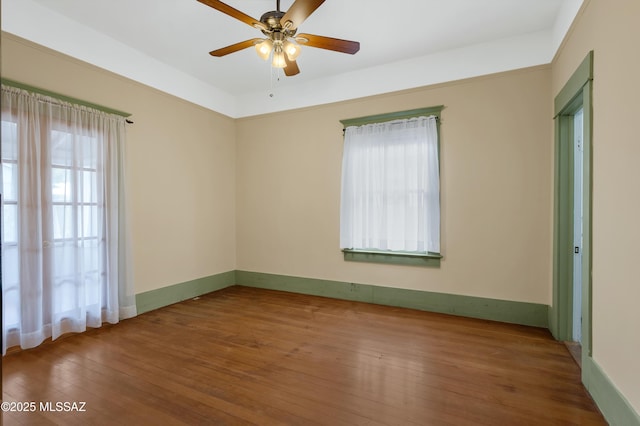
x,y
614,406
561,311
399,115
572,87
165,296
64,98
524,313
577,93
394,258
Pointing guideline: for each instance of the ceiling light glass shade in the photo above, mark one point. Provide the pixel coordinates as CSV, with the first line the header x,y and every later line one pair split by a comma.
x,y
264,48
278,59
292,50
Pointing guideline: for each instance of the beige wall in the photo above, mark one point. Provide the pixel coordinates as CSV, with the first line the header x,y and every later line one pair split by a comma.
x,y
181,165
611,30
496,167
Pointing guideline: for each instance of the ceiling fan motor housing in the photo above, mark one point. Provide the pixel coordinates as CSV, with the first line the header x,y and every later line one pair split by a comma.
x,y
272,21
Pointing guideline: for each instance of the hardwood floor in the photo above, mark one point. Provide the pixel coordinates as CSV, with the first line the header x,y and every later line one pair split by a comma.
x,y
250,356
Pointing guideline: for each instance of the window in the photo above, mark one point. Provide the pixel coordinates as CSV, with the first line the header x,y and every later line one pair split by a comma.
x,y
390,197
64,244
10,222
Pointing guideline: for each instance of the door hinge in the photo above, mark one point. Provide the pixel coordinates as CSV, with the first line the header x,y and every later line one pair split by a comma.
x,y
576,250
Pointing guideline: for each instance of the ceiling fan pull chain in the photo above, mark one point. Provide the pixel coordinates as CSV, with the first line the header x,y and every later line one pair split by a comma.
x,y
271,91
275,80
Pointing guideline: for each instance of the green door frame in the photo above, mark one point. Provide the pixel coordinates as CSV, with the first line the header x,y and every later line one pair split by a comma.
x,y
576,94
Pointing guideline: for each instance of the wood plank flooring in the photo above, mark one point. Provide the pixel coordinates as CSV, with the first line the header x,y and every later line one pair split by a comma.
x,y
250,356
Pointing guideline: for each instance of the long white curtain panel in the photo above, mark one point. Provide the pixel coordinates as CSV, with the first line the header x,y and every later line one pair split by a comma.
x,y
65,245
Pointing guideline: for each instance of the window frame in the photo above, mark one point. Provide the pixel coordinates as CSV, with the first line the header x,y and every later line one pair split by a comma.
x,y
389,256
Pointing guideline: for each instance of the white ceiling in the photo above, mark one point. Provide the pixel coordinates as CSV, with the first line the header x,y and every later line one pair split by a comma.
x,y
404,44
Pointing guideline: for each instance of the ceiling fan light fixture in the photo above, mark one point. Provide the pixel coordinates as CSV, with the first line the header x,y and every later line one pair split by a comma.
x,y
264,48
278,58
292,50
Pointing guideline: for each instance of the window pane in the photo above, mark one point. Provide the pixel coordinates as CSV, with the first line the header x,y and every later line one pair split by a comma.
x,y
88,223
61,148
10,266
89,187
62,222
92,274
11,307
64,261
61,185
91,257
67,148
10,181
88,152
9,138
10,287
73,266
10,220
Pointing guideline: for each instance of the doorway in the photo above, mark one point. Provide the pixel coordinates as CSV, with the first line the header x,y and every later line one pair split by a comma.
x,y
570,313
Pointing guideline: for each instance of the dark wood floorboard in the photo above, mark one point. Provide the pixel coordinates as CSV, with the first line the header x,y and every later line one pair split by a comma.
x,y
250,356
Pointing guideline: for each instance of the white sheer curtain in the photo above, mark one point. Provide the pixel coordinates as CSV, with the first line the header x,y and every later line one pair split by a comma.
x,y
391,186
65,244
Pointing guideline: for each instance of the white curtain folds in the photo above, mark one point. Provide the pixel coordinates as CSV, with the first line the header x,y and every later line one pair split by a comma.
x,y
65,242
391,187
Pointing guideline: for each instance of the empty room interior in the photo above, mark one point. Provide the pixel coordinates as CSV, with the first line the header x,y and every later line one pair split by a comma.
x,y
222,272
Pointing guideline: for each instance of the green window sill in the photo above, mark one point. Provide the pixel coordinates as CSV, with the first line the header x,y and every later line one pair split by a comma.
x,y
393,257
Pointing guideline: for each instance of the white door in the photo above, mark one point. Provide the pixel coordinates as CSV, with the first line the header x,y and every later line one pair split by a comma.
x,y
577,226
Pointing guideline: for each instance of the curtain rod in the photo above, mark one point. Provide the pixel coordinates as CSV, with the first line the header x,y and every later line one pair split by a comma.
x,y
344,128
69,99
398,115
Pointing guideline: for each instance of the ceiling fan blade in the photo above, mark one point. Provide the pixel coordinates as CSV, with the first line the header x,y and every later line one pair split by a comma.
x,y
234,13
291,68
298,12
329,43
235,47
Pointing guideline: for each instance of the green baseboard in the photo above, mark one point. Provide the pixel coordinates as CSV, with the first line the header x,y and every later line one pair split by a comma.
x,y
614,406
165,296
476,307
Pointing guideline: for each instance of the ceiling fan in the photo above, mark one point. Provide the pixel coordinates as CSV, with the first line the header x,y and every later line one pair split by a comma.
x,y
281,42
